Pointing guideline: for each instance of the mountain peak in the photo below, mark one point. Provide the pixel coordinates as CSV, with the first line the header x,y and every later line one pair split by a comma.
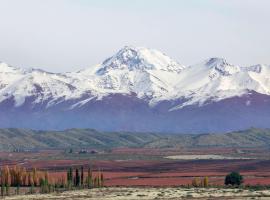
x,y
254,68
5,68
128,49
139,58
212,62
222,66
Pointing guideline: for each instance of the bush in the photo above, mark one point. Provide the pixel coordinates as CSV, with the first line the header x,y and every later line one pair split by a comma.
x,y
234,179
196,182
205,182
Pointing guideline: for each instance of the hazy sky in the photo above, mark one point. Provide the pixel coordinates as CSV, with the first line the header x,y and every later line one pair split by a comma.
x,y
67,35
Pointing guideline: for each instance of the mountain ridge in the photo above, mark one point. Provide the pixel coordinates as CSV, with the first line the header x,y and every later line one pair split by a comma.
x,y
138,89
27,139
147,73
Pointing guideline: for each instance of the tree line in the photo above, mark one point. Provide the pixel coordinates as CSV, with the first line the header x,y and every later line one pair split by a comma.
x,y
75,178
78,178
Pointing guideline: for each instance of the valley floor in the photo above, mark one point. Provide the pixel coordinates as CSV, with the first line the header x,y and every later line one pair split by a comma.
x,y
133,193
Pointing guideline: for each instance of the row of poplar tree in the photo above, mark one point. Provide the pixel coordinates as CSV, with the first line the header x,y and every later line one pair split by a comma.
x,y
78,179
18,176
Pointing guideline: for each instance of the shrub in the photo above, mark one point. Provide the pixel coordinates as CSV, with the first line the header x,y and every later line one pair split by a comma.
x,y
196,182
205,182
234,179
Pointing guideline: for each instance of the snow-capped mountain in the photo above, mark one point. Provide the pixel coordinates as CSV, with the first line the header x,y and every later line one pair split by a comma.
x,y
147,73
137,89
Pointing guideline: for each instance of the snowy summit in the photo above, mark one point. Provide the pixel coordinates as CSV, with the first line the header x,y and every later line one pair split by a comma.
x,y
144,74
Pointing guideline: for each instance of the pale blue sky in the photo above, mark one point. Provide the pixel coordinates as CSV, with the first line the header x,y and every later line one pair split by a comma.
x,y
67,35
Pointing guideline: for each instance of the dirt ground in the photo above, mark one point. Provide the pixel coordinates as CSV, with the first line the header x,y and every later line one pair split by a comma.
x,y
122,193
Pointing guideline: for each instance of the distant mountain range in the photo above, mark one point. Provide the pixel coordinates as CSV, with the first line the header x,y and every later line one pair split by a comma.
x,y
29,140
138,89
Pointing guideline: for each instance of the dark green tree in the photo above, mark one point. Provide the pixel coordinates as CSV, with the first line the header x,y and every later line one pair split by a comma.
x,y
77,178
82,178
89,178
101,180
69,177
234,179
2,182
